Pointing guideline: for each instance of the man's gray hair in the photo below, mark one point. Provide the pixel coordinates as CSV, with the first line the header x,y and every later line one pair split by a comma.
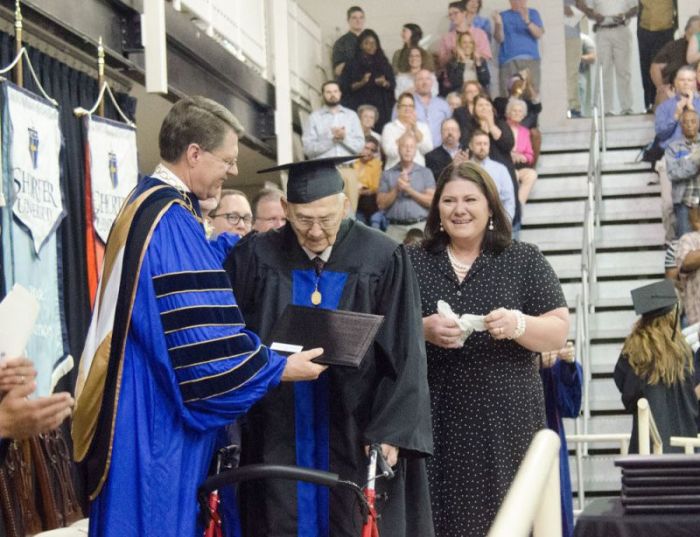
x,y
692,20
273,194
195,120
363,107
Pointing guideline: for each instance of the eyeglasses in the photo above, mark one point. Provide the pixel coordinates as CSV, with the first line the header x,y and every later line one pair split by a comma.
x,y
235,218
229,163
307,222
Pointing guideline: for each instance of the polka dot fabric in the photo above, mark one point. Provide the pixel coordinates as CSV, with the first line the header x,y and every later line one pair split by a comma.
x,y
486,398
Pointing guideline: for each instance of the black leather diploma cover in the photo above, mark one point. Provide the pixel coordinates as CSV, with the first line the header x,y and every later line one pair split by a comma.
x,y
344,335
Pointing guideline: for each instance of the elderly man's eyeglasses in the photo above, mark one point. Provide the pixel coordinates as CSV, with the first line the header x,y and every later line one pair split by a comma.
x,y
235,218
307,222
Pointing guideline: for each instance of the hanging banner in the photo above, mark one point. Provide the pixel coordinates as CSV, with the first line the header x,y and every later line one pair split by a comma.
x,y
35,140
113,169
31,145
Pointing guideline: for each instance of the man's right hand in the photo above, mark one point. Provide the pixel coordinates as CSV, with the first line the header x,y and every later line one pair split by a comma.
x,y
300,367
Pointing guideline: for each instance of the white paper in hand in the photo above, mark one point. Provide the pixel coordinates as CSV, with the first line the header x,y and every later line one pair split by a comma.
x,y
18,313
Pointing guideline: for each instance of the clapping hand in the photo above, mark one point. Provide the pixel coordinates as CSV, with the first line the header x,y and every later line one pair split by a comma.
x,y
382,81
404,183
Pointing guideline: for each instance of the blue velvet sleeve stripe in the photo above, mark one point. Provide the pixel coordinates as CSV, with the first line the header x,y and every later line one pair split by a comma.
x,y
190,281
197,316
227,381
211,350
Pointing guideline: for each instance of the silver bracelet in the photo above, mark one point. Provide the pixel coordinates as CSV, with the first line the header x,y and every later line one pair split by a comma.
x,y
520,328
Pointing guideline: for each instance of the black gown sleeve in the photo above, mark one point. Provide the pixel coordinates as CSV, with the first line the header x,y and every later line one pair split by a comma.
x,y
400,413
629,384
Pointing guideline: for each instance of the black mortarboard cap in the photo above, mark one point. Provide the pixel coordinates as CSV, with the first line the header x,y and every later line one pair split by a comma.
x,y
310,180
654,299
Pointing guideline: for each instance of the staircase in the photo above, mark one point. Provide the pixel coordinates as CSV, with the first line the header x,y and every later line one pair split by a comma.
x,y
629,254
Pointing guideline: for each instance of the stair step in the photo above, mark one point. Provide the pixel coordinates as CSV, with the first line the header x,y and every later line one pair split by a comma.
x,y
610,264
599,474
609,294
610,236
604,395
577,163
603,357
613,424
570,212
627,131
614,324
614,184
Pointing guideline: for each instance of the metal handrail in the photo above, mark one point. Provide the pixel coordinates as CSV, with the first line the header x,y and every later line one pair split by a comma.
x,y
646,429
533,503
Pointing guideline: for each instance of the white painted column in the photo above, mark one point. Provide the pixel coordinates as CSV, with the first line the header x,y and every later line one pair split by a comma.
x,y
153,36
283,101
686,8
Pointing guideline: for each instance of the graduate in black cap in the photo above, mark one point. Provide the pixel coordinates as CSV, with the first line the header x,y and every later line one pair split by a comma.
x,y
656,363
322,259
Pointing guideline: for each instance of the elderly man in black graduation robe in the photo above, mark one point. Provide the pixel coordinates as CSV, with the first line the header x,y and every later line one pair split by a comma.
x,y
328,423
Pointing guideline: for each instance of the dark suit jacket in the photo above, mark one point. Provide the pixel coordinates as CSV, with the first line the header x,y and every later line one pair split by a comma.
x,y
437,160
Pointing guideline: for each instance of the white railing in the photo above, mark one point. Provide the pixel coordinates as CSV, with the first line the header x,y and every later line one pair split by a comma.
x,y
623,439
647,430
689,444
533,503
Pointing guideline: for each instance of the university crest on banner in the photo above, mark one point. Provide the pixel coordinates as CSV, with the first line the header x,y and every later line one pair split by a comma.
x,y
113,169
31,183
35,138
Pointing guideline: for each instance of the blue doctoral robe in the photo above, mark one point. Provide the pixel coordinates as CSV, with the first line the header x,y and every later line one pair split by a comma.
x,y
189,367
562,396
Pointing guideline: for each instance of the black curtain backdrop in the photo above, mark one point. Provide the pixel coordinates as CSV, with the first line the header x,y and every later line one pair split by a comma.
x,y
71,88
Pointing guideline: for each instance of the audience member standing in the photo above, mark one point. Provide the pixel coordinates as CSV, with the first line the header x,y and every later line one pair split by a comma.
x,y
332,130
655,28
369,115
519,87
442,156
457,12
464,115
369,171
466,64
517,30
693,53
688,262
430,109
405,191
476,20
668,113
344,47
614,44
232,214
411,34
406,120
572,38
406,80
522,153
486,394
267,210
671,58
368,78
683,169
479,148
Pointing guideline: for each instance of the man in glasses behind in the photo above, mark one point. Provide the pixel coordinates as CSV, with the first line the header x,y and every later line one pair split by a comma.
x,y
232,214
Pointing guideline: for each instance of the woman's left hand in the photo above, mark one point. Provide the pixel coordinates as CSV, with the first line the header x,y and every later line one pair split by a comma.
x,y
501,323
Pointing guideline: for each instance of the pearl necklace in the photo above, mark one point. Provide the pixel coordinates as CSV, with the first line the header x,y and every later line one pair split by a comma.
x,y
459,268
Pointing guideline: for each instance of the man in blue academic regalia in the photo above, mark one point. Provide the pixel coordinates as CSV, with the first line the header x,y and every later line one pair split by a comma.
x,y
168,360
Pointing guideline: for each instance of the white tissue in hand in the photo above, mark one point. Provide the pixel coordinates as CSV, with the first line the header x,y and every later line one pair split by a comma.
x,y
467,322
691,336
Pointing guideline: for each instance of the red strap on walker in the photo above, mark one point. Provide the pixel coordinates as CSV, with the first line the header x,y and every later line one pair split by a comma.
x,y
214,527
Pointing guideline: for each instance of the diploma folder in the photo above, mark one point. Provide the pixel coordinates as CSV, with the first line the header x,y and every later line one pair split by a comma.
x,y
344,335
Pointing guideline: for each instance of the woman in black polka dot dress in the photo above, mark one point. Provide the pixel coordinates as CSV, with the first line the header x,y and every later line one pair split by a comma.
x,y
487,399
